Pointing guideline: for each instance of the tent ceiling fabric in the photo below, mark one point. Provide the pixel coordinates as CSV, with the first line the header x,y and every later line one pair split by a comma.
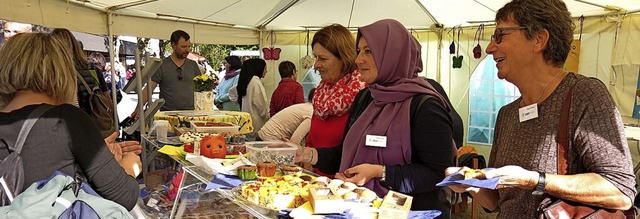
x,y
351,13
239,21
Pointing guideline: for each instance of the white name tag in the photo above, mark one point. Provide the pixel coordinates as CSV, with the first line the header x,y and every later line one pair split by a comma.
x,y
376,141
528,112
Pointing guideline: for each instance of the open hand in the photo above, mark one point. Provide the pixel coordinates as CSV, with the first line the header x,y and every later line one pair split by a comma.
x,y
514,177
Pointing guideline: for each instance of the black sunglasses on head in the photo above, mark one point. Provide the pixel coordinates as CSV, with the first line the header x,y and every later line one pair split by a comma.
x,y
180,76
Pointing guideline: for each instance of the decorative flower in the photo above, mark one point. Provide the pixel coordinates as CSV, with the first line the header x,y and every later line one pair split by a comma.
x,y
204,82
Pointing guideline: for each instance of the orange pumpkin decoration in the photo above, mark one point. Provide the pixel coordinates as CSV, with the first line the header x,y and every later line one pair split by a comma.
x,y
213,146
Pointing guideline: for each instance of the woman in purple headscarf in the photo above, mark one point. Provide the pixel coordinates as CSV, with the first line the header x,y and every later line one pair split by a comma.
x,y
399,132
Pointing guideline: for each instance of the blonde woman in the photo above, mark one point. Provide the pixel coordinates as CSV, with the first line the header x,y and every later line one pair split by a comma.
x,y
37,69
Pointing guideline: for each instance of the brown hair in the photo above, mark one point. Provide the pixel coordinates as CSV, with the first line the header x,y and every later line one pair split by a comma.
x,y
37,62
540,15
340,42
286,69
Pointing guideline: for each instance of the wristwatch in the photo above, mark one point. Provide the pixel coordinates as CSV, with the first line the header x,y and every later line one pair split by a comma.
x,y
539,190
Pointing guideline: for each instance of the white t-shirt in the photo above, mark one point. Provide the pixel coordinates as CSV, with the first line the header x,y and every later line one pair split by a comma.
x,y
292,123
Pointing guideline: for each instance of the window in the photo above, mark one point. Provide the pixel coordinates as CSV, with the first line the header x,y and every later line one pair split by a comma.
x,y
487,94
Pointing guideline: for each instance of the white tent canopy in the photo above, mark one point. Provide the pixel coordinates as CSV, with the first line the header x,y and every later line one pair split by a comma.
x,y
238,21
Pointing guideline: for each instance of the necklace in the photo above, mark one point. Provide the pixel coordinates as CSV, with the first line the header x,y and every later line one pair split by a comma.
x,y
545,87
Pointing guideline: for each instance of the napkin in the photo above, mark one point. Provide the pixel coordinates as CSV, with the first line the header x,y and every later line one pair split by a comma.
x,y
224,181
458,178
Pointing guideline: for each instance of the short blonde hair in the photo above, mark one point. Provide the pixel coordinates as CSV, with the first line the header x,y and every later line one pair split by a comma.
x,y
37,62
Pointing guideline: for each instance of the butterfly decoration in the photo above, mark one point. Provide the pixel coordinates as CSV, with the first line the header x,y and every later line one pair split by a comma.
x,y
457,59
271,53
477,51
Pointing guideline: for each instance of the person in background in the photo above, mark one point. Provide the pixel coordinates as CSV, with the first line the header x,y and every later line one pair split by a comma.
x,y
289,91
458,126
530,45
10,28
232,65
405,111
175,76
92,76
251,94
290,123
64,138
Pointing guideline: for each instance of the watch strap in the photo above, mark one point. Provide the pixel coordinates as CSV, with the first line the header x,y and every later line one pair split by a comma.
x,y
539,189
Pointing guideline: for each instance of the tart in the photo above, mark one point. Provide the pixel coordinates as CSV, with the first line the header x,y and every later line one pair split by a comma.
x,y
267,169
247,172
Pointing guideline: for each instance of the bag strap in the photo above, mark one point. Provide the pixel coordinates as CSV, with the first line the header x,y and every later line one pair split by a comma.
x,y
563,135
28,124
424,98
84,83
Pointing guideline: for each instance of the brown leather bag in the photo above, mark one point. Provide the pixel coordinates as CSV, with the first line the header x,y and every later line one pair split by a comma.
x,y
555,208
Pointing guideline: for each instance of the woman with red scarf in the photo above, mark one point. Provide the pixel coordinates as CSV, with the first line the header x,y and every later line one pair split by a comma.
x,y
399,132
333,49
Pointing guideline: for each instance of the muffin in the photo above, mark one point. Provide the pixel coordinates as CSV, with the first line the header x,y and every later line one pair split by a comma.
x,y
290,169
350,196
267,169
247,172
368,196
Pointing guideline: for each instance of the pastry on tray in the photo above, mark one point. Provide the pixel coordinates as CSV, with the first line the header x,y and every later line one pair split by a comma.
x,y
474,174
266,169
291,169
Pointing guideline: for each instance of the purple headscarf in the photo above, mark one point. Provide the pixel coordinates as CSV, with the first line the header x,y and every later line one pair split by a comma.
x,y
397,56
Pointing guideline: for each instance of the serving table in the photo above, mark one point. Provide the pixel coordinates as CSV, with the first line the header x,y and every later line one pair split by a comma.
x,y
194,201
182,118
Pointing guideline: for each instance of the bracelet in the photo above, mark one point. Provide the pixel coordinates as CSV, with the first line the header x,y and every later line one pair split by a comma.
x,y
384,173
311,160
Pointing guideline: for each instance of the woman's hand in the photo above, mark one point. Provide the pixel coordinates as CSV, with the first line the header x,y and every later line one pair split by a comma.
x,y
361,174
514,177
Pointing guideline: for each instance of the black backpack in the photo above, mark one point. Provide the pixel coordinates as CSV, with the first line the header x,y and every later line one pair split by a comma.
x,y
11,169
98,109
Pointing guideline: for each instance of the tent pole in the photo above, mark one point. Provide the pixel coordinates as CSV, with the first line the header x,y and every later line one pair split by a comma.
x,y
427,12
113,69
285,8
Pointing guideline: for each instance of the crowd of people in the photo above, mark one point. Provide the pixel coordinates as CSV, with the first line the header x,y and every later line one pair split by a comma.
x,y
371,120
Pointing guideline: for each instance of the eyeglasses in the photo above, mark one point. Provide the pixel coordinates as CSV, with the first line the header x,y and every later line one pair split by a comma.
x,y
180,76
497,36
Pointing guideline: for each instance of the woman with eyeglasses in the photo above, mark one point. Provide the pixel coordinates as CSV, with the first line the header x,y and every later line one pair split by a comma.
x,y
530,45
232,65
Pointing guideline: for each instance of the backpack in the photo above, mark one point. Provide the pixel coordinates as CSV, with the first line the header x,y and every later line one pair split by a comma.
x,y
11,169
98,109
62,196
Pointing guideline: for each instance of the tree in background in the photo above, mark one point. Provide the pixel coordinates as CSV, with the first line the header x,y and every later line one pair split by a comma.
x,y
214,53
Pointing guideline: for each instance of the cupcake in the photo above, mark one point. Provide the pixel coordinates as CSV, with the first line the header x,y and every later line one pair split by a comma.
x,y
267,169
334,183
247,172
322,181
290,169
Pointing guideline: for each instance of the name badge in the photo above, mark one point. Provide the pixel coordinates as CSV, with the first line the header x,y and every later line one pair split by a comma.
x,y
376,141
528,112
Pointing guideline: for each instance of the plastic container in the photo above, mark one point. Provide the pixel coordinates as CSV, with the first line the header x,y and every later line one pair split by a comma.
x,y
277,152
215,127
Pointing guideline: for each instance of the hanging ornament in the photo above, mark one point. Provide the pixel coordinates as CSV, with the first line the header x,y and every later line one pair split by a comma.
x,y
477,51
306,61
457,59
271,53
452,47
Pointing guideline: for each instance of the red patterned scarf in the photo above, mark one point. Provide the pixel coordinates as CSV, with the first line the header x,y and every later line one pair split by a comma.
x,y
335,99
